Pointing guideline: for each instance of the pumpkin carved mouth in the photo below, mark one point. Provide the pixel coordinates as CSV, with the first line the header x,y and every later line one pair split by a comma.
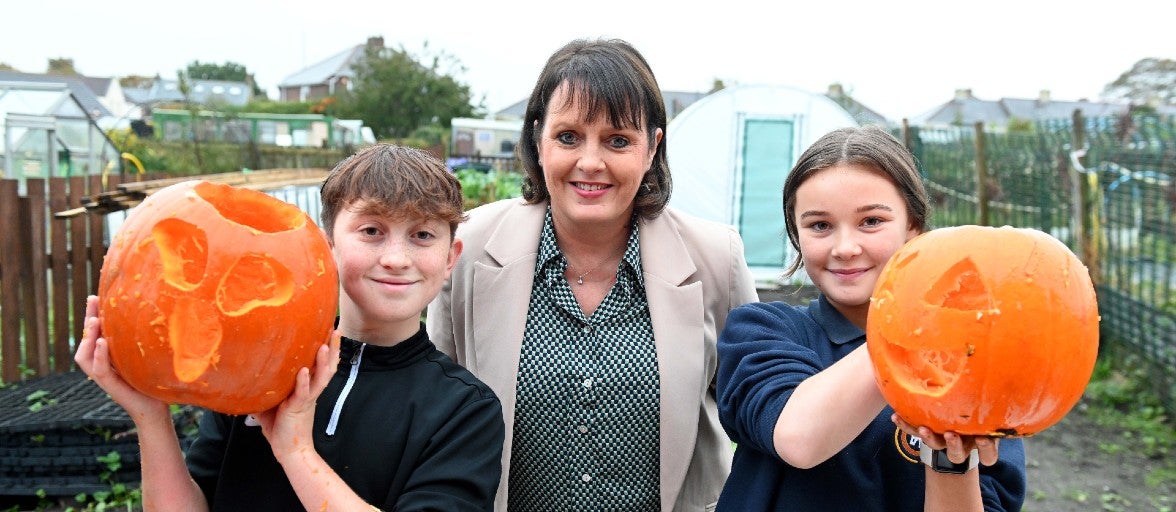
x,y
931,366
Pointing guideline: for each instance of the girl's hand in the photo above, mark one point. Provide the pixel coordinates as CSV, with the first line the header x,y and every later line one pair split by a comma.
x,y
958,447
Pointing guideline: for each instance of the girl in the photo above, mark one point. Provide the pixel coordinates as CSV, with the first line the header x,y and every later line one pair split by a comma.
x,y
796,388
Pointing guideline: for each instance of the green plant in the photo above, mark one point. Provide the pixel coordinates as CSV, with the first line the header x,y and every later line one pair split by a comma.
x,y
119,495
39,399
481,187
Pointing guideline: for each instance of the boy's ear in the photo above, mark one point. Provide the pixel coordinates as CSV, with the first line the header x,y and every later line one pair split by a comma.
x,y
454,253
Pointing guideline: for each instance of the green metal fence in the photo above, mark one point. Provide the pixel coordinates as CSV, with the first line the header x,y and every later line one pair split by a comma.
x,y
1104,186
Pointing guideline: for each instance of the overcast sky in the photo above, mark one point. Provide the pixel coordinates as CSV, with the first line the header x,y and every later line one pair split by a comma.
x,y
899,57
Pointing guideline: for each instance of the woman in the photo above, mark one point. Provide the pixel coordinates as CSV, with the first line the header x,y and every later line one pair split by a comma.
x,y
590,308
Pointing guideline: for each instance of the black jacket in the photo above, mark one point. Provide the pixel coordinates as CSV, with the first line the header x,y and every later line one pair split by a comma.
x,y
414,432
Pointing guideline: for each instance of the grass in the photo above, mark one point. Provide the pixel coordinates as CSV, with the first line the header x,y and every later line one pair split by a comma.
x,y
1118,397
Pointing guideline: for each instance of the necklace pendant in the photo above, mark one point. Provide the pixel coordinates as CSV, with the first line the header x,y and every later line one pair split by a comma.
x,y
580,280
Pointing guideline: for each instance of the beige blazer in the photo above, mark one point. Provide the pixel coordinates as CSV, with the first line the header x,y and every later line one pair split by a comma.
x,y
695,273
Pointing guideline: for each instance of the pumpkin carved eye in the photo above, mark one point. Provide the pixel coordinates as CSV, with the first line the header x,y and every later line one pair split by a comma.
x,y
215,296
983,331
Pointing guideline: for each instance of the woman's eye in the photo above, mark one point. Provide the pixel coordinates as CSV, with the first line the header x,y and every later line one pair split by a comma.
x,y
566,138
619,142
872,222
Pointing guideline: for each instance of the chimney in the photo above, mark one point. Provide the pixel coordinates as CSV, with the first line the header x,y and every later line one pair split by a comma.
x,y
375,42
835,91
963,94
1043,97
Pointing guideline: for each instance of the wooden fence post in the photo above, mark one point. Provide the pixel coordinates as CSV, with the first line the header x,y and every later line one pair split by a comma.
x,y
10,248
1084,201
35,294
59,260
981,176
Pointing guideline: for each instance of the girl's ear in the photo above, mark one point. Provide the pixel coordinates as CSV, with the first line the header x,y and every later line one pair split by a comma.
x,y
912,232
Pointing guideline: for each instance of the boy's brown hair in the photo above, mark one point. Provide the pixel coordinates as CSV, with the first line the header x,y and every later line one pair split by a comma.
x,y
395,182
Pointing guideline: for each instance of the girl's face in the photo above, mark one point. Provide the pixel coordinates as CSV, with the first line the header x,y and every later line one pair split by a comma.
x,y
850,219
592,170
389,270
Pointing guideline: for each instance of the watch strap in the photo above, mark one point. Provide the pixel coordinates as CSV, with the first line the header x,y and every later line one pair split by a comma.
x,y
937,460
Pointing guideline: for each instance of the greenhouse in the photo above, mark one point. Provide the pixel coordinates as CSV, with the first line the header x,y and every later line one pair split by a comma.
x,y
45,131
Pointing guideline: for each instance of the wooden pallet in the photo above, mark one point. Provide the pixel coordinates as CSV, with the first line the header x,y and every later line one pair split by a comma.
x,y
129,194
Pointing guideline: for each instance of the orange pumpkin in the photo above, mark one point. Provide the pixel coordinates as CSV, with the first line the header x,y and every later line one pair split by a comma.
x,y
983,331
215,296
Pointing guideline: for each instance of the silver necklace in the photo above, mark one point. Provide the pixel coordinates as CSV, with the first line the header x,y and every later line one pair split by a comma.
x,y
580,277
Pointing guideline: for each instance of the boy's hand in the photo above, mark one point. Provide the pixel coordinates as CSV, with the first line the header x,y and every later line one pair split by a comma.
x,y
93,358
289,426
958,447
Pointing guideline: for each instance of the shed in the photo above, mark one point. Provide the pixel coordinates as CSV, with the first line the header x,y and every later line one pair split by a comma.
x,y
484,137
729,154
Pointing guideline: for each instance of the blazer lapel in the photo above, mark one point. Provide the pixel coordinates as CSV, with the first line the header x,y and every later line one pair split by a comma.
x,y
502,294
676,310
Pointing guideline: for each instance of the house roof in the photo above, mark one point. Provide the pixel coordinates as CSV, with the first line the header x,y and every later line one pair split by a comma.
x,y
85,96
338,65
965,110
1044,108
203,91
862,114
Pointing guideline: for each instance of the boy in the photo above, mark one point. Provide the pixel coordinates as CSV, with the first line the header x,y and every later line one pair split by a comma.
x,y
402,426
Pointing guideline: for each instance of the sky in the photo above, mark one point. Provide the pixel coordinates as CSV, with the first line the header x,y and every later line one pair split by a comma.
x,y
900,58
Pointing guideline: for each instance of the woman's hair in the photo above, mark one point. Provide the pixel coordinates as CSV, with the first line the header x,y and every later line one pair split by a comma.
x,y
609,77
395,182
869,146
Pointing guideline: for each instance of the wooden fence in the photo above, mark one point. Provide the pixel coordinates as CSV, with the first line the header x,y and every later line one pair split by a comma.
x,y
47,268
49,264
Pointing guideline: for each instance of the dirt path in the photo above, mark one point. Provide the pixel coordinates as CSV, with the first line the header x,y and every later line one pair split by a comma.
x,y
1079,465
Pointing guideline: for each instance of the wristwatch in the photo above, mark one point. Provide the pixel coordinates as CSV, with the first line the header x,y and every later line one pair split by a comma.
x,y
938,461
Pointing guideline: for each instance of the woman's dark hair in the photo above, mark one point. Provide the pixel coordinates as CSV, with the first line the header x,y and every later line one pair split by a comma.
x,y
869,146
610,78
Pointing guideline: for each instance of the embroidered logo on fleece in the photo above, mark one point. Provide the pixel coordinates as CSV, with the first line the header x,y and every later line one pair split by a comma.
x,y
907,445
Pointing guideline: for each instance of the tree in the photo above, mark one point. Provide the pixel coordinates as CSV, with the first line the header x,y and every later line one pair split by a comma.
x,y
1150,81
61,66
394,93
137,81
229,72
4,66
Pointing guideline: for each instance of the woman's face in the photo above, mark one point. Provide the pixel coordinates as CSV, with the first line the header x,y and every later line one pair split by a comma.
x,y
850,219
592,170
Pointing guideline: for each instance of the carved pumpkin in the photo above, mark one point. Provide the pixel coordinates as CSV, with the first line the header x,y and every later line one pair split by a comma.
x,y
215,296
983,331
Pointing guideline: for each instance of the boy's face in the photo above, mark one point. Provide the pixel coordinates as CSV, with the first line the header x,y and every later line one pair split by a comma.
x,y
389,270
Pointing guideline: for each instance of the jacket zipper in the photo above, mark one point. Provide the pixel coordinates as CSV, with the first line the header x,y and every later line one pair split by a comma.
x,y
355,359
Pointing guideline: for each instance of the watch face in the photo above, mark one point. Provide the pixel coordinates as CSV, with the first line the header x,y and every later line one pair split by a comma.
x,y
940,463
